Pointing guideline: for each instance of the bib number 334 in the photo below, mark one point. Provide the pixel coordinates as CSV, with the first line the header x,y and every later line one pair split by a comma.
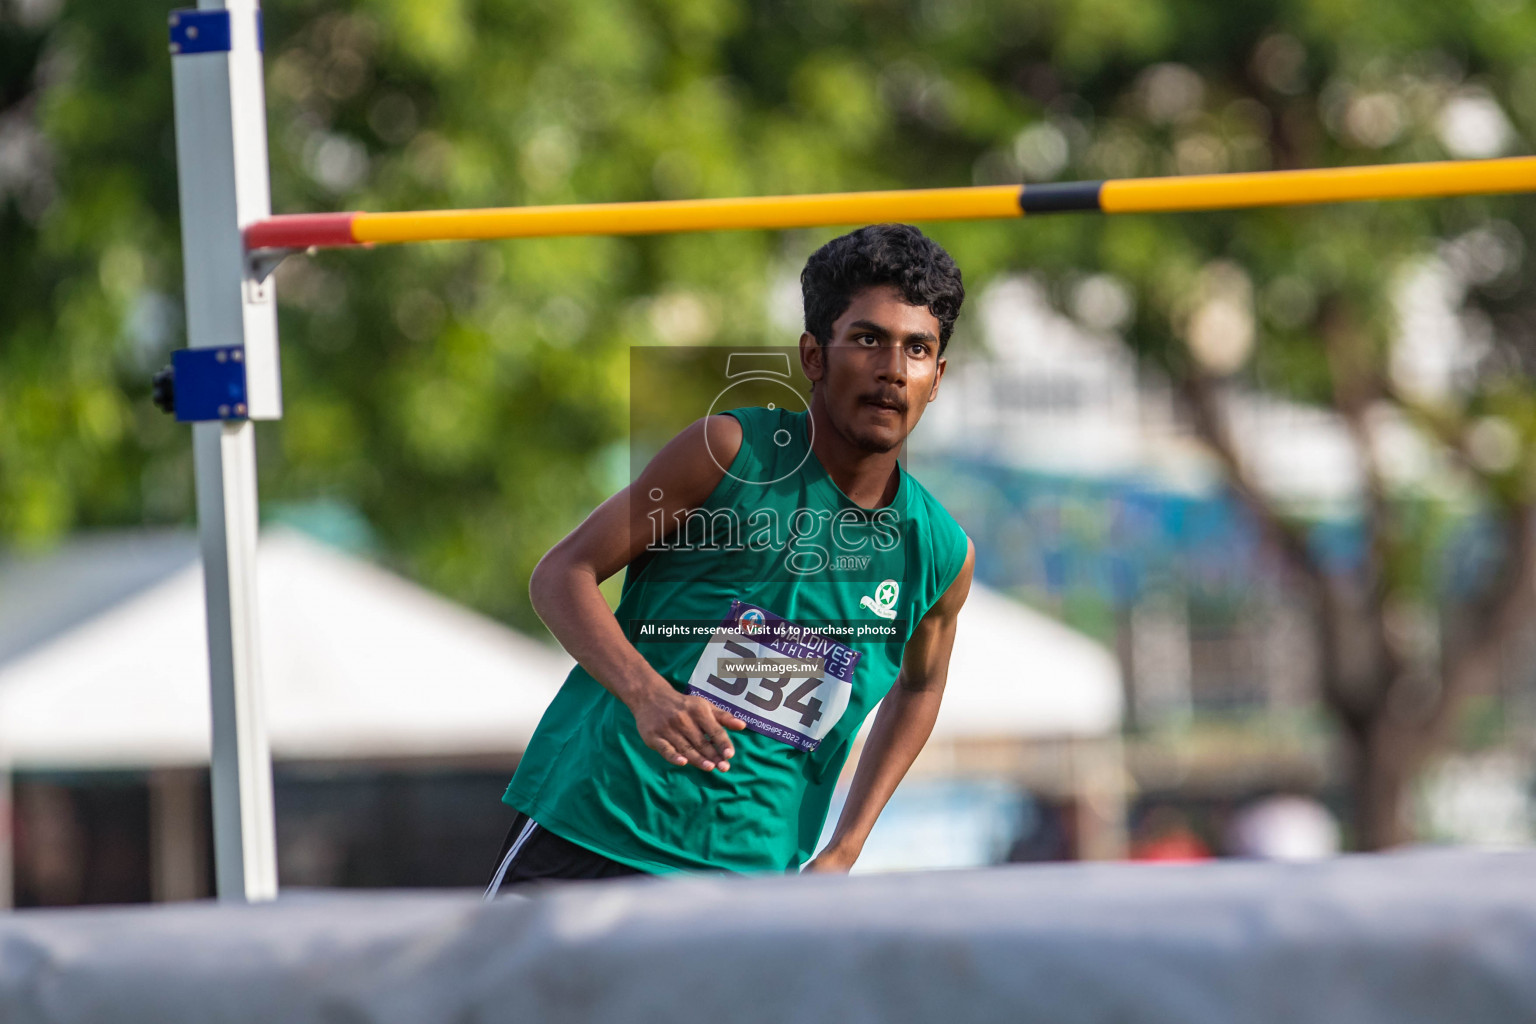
x,y
785,682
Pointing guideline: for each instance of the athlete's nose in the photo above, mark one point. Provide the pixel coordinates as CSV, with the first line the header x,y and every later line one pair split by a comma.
x,y
892,365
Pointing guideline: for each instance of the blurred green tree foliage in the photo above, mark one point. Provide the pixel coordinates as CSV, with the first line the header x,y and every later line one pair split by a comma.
x,y
471,399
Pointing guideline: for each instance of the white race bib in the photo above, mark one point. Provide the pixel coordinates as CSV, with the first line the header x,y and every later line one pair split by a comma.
x,y
785,681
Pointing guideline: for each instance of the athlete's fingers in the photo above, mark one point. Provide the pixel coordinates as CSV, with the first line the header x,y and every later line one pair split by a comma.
x,y
703,714
689,747
668,751
693,755
695,721
727,719
716,735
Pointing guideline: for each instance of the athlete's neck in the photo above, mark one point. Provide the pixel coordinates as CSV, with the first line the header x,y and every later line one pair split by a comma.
x,y
869,479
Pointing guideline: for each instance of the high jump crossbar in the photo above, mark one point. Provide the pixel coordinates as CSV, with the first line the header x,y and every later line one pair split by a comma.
x,y
228,377
983,202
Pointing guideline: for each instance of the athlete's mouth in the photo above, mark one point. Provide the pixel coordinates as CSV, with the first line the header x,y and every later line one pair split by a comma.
x,y
885,402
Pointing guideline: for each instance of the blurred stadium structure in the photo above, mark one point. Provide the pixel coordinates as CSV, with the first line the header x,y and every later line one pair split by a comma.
x,y
1095,495
398,714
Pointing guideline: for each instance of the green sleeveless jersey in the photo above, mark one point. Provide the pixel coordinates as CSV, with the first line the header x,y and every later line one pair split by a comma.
x,y
778,599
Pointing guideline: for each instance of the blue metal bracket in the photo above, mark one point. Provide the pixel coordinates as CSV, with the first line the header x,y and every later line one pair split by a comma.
x,y
200,31
210,384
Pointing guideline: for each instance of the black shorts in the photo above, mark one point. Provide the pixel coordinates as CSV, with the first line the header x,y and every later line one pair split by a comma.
x,y
532,853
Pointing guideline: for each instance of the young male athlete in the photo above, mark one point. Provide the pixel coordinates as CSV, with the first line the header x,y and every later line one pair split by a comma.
x,y
785,573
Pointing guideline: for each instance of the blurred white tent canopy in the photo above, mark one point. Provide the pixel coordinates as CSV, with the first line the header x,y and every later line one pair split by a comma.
x,y
1015,672
357,662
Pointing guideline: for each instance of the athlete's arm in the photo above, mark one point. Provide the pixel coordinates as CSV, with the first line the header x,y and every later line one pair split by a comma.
x,y
902,725
682,728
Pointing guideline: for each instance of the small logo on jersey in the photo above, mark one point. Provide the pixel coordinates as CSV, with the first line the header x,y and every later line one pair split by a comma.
x,y
883,603
751,621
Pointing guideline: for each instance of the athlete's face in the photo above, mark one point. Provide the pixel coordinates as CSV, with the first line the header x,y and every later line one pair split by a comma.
x,y
880,369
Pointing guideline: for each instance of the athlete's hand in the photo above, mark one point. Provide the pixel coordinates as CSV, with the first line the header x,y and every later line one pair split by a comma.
x,y
685,729
830,861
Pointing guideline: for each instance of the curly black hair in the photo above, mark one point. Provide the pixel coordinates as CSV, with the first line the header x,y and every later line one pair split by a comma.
x,y
881,254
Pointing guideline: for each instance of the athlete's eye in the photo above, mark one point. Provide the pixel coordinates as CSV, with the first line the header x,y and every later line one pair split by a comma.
x,y
861,339
919,350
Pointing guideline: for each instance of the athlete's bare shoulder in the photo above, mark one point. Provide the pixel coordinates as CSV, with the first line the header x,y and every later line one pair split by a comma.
x,y
723,433
689,466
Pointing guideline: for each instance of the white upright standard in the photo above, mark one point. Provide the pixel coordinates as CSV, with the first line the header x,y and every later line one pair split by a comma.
x,y
221,156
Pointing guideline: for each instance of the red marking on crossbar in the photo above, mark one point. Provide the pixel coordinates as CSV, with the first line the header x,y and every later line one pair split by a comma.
x,y
300,231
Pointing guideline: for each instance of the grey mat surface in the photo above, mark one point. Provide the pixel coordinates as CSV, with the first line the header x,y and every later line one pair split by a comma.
x,y
1426,936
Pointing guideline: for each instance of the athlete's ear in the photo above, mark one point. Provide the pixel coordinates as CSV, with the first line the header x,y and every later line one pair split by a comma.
x,y
812,357
938,375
